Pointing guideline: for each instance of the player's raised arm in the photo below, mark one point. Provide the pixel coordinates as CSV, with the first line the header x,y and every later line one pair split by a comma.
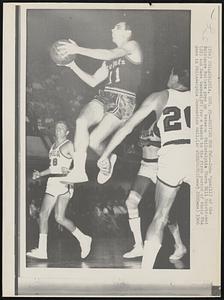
x,y
130,48
121,36
70,48
150,104
92,80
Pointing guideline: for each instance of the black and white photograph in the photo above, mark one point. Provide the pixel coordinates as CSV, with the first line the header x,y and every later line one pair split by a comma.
x,y
116,114
107,100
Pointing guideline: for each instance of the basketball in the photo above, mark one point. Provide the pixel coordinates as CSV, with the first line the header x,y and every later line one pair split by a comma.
x,y
57,56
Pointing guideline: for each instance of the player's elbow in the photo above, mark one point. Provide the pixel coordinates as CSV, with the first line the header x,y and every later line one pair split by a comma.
x,y
93,82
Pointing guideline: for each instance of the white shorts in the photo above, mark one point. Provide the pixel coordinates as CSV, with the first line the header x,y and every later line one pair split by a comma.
x,y
56,188
175,164
149,170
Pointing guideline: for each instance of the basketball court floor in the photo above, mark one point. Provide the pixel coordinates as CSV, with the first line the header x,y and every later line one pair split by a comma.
x,y
64,252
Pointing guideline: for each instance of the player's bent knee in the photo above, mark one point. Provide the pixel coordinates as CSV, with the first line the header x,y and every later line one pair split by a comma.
x,y
59,219
172,226
132,204
161,219
133,200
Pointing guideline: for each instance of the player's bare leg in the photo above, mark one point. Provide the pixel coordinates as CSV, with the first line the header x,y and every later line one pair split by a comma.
x,y
46,208
139,187
107,126
164,199
60,208
91,115
180,249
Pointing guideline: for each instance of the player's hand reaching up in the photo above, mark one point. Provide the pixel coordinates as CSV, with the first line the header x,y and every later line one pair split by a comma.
x,y
68,48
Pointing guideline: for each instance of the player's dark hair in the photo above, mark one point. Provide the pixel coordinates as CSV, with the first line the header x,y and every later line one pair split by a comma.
x,y
62,122
183,73
127,26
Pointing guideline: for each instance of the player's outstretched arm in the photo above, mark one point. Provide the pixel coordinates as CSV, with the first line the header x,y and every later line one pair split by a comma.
x,y
153,102
37,174
102,54
92,80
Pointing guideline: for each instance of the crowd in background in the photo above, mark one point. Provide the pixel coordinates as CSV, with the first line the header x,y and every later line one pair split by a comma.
x,y
49,100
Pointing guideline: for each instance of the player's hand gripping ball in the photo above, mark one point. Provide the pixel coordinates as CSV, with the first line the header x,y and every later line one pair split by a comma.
x,y
58,55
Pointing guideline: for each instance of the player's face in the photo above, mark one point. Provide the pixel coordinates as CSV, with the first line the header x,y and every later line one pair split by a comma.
x,y
61,131
119,33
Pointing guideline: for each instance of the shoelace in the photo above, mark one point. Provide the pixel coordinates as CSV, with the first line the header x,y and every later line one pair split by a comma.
x,y
105,169
105,172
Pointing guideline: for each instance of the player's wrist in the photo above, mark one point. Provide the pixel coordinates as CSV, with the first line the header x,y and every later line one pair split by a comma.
x,y
78,50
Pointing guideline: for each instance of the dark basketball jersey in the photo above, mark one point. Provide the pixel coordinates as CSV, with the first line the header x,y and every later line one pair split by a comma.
x,y
124,74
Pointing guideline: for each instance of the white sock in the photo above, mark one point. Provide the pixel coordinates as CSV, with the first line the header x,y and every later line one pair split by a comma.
x,y
151,249
79,234
42,245
135,226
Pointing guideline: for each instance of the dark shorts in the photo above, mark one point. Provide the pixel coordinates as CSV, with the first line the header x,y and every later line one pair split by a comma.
x,y
119,103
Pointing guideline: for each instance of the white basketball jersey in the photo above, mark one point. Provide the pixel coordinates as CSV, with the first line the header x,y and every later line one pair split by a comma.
x,y
58,160
174,123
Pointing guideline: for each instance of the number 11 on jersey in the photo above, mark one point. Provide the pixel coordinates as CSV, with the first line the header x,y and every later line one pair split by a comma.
x,y
117,75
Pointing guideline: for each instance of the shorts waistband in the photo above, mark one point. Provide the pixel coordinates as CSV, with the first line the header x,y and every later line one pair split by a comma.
x,y
178,142
150,159
120,91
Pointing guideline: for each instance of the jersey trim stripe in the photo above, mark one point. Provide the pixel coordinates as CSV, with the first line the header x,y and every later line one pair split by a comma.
x,y
52,149
178,142
172,186
151,143
150,159
64,155
117,90
50,194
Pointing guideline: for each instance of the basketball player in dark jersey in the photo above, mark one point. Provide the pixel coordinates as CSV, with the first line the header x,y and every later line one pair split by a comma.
x,y
149,141
172,107
114,105
57,194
